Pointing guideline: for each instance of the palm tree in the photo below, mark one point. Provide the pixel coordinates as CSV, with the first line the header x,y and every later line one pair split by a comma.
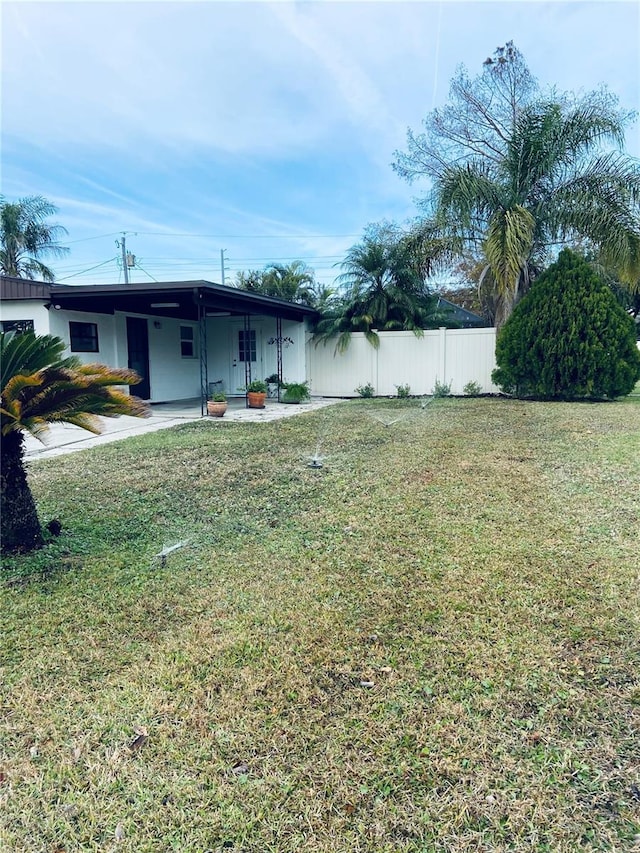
x,y
294,282
554,184
25,234
289,281
40,387
385,288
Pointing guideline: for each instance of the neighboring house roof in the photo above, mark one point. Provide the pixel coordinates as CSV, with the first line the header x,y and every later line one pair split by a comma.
x,y
23,288
180,299
467,319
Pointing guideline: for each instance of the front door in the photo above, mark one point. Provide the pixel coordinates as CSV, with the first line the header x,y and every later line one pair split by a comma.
x,y
246,351
138,349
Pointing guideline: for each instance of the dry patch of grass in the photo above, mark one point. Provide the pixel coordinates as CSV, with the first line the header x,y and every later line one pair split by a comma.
x,y
430,644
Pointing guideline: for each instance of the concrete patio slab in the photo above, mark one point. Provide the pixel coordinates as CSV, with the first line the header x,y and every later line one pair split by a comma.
x,y
65,438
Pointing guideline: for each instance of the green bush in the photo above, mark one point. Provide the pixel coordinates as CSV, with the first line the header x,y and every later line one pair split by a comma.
x,y
404,391
568,338
295,392
365,390
472,388
441,389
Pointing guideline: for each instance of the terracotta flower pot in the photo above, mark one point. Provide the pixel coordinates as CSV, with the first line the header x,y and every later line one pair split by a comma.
x,y
255,399
216,410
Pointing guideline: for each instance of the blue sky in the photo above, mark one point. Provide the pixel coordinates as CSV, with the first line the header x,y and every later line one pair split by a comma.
x,y
265,130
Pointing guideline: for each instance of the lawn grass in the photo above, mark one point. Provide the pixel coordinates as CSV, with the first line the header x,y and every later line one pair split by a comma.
x,y
430,644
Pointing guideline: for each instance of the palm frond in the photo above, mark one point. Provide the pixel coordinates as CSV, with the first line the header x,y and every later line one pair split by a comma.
x,y
39,387
508,245
27,353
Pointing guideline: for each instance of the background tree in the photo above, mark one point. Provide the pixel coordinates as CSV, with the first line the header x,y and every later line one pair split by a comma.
x,y
383,286
26,236
39,387
554,184
627,293
514,175
474,288
477,121
568,338
294,282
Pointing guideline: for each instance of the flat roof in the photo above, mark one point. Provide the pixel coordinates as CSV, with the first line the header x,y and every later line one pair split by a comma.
x,y
180,299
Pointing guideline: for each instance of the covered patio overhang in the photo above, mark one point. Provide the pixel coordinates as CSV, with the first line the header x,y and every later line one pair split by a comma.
x,y
192,301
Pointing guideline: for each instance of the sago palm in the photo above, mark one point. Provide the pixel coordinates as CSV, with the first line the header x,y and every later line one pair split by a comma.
x,y
555,184
39,387
26,235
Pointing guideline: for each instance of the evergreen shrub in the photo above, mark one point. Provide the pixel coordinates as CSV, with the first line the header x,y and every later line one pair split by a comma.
x,y
568,338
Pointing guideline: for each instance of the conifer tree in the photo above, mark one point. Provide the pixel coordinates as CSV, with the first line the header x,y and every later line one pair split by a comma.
x,y
568,338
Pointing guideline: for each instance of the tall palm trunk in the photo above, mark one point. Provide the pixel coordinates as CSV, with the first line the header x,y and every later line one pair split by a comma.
x,y
507,300
20,528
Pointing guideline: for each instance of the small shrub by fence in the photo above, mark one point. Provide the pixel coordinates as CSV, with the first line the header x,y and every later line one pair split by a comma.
x,y
454,357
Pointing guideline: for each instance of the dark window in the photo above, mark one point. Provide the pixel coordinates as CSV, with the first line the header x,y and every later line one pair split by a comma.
x,y
187,342
247,345
18,326
84,337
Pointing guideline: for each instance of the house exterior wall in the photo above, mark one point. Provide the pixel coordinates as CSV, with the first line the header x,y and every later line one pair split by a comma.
x,y
27,310
171,376
59,326
449,356
222,351
294,356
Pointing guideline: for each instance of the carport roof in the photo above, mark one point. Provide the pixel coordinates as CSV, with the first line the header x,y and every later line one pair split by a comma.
x,y
179,299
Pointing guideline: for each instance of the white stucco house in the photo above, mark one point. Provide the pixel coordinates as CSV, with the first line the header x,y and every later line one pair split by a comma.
x,y
185,339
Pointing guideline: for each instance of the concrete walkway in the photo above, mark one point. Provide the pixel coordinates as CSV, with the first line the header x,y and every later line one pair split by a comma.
x,y
65,438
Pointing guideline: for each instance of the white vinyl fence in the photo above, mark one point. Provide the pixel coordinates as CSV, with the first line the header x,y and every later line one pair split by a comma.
x,y
449,356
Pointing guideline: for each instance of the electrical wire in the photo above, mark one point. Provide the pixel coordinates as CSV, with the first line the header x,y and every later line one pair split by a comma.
x,y
138,267
104,263
84,239
250,236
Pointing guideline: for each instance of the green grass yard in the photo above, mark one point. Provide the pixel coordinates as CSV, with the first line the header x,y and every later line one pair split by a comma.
x,y
430,644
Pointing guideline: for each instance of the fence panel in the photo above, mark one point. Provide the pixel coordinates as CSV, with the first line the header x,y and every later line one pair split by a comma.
x,y
449,356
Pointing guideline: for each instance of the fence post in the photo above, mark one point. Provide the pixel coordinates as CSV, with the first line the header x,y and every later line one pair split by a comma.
x,y
442,361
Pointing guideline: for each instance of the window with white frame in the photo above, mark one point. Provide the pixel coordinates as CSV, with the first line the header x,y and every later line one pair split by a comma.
x,y
247,345
187,342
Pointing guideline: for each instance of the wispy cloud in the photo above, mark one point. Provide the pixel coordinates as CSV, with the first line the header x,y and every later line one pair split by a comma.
x,y
270,119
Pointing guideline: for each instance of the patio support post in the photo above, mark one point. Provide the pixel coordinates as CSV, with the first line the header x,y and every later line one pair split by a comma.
x,y
279,351
204,370
247,355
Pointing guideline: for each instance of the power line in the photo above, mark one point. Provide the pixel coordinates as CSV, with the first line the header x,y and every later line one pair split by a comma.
x,y
84,239
138,267
73,275
158,262
235,259
249,236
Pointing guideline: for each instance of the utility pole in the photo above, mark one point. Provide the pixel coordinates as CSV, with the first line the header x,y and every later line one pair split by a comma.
x,y
122,244
128,258
125,266
222,251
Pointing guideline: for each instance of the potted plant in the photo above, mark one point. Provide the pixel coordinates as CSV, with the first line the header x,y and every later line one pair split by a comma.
x,y
272,385
256,394
217,405
295,392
